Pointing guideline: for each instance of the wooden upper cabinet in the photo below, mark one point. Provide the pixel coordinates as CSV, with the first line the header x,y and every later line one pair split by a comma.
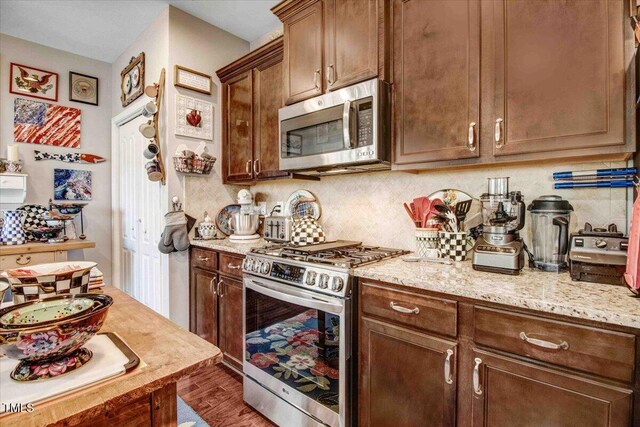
x,y
402,377
351,41
303,54
511,392
436,75
238,155
267,89
558,85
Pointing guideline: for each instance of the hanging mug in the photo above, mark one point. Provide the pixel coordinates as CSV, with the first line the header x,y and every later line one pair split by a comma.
x,y
147,129
153,171
150,109
151,151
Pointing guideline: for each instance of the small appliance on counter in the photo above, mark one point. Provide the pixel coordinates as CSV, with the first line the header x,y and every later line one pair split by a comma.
x,y
278,228
500,249
550,217
244,224
598,255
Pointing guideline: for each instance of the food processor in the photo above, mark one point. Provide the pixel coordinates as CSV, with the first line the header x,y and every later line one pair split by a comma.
x,y
550,216
500,249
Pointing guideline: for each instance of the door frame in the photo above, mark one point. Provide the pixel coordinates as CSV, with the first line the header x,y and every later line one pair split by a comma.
x,y
131,113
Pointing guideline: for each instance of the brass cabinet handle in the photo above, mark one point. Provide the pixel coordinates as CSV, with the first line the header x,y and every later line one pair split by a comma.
x,y
220,293
247,167
331,75
544,344
211,289
471,145
27,260
476,377
234,267
498,133
404,310
256,166
448,378
203,259
316,78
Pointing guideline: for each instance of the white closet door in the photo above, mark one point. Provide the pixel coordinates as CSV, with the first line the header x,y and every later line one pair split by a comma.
x,y
142,222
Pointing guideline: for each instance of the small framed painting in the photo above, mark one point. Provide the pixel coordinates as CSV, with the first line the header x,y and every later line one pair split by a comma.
x,y
194,117
34,82
83,88
192,80
132,80
71,184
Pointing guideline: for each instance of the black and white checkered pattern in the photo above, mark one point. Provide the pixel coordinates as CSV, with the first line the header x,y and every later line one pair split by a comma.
x,y
453,245
33,218
12,231
28,289
307,231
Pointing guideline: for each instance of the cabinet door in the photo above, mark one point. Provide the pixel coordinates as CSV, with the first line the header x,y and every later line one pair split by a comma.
x,y
303,50
204,305
231,338
238,155
558,86
510,392
267,98
402,377
351,42
437,79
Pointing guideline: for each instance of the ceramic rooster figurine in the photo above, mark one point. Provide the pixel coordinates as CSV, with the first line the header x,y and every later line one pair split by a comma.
x,y
33,82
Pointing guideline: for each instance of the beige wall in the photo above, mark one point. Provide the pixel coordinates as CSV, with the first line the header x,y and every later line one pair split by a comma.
x,y
368,207
95,138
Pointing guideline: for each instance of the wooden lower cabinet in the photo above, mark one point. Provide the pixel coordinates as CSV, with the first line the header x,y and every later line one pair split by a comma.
x,y
231,339
511,392
204,305
402,377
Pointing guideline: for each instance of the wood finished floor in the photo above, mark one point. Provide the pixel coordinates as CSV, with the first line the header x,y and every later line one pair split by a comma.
x,y
216,395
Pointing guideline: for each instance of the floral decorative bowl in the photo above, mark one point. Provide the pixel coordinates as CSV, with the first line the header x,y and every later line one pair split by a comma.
x,y
45,280
50,342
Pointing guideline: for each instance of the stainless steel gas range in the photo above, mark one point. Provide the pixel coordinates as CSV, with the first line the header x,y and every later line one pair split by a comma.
x,y
298,331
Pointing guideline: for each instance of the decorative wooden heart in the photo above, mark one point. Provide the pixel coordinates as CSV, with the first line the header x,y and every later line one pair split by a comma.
x,y
194,118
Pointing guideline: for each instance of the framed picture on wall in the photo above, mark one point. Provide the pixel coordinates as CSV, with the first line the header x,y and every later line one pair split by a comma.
x,y
34,82
194,117
132,80
83,88
193,80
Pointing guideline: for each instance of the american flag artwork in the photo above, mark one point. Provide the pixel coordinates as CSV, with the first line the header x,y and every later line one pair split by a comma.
x,y
38,122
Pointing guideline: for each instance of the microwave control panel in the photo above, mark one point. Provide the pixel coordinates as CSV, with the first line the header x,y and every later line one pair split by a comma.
x,y
365,122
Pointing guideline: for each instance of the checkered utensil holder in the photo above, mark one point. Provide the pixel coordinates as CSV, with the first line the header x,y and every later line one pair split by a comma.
x,y
453,245
427,242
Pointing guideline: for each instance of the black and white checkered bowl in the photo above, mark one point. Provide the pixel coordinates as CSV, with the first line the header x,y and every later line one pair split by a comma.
x,y
46,280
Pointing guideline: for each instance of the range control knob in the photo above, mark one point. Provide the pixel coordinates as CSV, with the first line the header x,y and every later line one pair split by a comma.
x,y
265,267
337,284
601,244
324,281
256,266
248,264
311,278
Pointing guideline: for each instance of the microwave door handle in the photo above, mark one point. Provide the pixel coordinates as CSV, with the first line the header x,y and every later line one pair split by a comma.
x,y
346,124
293,297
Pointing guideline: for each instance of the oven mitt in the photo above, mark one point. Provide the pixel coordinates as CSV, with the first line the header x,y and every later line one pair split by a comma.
x,y
175,236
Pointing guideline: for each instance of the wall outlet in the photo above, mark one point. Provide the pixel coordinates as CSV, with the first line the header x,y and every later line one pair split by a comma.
x,y
262,208
277,209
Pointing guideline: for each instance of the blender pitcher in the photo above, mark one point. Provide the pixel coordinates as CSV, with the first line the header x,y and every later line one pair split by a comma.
x,y
550,216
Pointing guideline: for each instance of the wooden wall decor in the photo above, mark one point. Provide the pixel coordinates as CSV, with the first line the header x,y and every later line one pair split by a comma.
x,y
132,80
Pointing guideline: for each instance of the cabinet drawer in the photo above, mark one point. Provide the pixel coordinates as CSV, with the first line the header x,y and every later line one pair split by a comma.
x,y
18,261
596,351
231,264
404,308
204,258
12,182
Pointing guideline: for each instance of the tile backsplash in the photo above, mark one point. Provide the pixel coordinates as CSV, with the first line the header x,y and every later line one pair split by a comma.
x,y
368,207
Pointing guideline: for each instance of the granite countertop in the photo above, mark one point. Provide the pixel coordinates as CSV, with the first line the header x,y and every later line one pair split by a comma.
x,y
532,289
227,245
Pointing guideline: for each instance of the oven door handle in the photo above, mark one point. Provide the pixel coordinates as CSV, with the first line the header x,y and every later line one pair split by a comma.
x,y
346,124
294,296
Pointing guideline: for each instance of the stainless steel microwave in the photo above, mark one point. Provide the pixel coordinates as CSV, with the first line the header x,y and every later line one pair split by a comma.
x,y
344,131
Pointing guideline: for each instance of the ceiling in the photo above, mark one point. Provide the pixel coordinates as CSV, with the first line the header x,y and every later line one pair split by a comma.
x,y
82,26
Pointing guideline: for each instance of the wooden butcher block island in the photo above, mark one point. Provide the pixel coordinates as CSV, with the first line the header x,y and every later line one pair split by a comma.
x,y
144,396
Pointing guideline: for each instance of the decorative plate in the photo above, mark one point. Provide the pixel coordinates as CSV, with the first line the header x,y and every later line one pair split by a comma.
x,y
451,197
223,219
302,203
